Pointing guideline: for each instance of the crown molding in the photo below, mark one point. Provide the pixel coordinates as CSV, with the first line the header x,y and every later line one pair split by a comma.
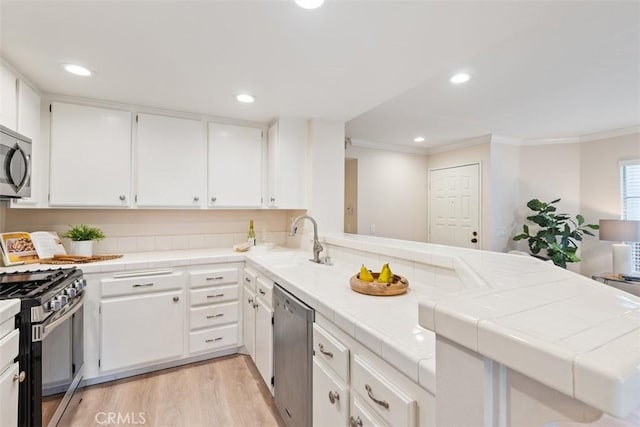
x,y
470,142
388,147
610,134
551,141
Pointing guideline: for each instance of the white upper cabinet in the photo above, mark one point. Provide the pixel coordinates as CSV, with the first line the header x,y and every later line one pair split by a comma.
x,y
170,162
90,156
235,166
287,158
8,98
29,126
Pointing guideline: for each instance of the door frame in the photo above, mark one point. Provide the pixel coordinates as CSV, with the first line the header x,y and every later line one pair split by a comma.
x,y
480,198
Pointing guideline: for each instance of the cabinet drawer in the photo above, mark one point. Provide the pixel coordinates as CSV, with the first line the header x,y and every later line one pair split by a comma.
x,y
330,398
213,315
139,283
331,351
249,279
362,415
213,339
264,290
9,348
393,405
213,295
219,276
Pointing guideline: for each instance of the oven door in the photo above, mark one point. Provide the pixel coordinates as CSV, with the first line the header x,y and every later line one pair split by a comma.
x,y
61,361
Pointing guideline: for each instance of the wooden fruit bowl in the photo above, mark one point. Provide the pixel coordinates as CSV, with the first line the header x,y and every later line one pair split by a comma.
x,y
397,286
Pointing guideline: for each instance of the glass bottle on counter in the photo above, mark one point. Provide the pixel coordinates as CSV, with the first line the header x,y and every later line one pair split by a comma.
x,y
251,237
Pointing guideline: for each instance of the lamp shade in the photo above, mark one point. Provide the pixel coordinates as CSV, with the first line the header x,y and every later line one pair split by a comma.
x,y
620,230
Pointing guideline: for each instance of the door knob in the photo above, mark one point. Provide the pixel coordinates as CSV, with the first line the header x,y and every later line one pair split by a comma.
x,y
474,240
333,396
19,377
475,233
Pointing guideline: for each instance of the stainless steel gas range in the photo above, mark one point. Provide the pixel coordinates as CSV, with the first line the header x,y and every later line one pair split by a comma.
x,y
51,327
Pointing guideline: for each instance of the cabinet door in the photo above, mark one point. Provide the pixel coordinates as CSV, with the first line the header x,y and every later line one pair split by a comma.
x,y
29,126
330,398
235,166
141,330
287,164
264,341
90,156
249,321
9,396
170,162
8,98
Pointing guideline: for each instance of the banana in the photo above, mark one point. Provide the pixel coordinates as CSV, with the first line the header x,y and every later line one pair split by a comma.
x,y
365,274
386,276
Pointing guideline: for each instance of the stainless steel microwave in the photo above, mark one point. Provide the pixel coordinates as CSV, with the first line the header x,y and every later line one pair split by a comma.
x,y
15,164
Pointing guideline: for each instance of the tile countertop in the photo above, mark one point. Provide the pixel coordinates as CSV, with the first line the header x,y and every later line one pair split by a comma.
x,y
562,329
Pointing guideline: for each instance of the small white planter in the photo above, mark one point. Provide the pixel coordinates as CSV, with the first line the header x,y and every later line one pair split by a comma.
x,y
81,247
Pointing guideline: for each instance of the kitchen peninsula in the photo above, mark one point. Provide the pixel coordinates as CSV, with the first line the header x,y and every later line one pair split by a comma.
x,y
505,329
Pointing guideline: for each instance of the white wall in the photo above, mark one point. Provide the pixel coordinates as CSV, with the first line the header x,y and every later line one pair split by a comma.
x,y
505,168
392,193
600,192
479,153
326,172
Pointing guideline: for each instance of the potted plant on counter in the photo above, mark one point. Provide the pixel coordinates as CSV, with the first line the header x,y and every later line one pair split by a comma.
x,y
82,237
557,233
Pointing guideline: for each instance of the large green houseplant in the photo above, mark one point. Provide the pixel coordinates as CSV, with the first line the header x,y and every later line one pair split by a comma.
x,y
556,235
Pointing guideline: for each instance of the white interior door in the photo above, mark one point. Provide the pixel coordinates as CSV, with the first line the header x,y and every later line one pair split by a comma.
x,y
454,206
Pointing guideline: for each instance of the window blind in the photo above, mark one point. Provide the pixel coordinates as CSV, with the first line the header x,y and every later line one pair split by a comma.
x,y
630,186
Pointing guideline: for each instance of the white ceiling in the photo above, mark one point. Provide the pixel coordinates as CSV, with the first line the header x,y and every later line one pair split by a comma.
x,y
540,69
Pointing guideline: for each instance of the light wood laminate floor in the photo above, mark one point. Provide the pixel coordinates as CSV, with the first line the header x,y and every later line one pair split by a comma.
x,y
222,392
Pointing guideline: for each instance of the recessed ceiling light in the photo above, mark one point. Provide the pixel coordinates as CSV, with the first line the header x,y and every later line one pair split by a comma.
x,y
309,4
245,98
78,70
460,78
418,139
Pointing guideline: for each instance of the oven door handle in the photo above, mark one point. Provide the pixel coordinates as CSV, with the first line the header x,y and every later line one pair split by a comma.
x,y
50,324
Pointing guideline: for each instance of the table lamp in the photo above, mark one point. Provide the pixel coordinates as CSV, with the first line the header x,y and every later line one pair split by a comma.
x,y
620,230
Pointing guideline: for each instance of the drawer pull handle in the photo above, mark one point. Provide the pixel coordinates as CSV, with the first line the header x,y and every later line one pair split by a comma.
x,y
19,377
215,278
255,305
176,299
215,296
250,300
142,285
214,316
333,397
382,403
214,340
323,351
355,422
247,279
262,292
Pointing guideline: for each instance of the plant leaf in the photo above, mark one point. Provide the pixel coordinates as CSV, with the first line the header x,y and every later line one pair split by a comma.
x,y
580,219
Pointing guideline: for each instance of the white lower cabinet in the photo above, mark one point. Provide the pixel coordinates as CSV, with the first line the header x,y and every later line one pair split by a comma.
x,y
354,387
9,373
264,340
213,309
257,323
331,398
361,415
141,329
9,386
249,321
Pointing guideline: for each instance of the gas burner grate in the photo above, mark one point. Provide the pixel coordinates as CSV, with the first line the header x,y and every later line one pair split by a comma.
x,y
30,284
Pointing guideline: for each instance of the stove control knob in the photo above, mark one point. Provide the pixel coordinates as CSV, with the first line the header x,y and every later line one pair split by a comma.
x,y
79,284
71,292
55,304
64,299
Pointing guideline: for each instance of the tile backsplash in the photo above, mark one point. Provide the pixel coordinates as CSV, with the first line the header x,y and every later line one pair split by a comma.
x,y
142,230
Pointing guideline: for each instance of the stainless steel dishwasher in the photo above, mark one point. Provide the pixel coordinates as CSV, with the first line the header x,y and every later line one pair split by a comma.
x,y
292,357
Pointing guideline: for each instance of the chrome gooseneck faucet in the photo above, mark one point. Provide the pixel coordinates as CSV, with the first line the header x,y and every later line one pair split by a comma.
x,y
317,247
